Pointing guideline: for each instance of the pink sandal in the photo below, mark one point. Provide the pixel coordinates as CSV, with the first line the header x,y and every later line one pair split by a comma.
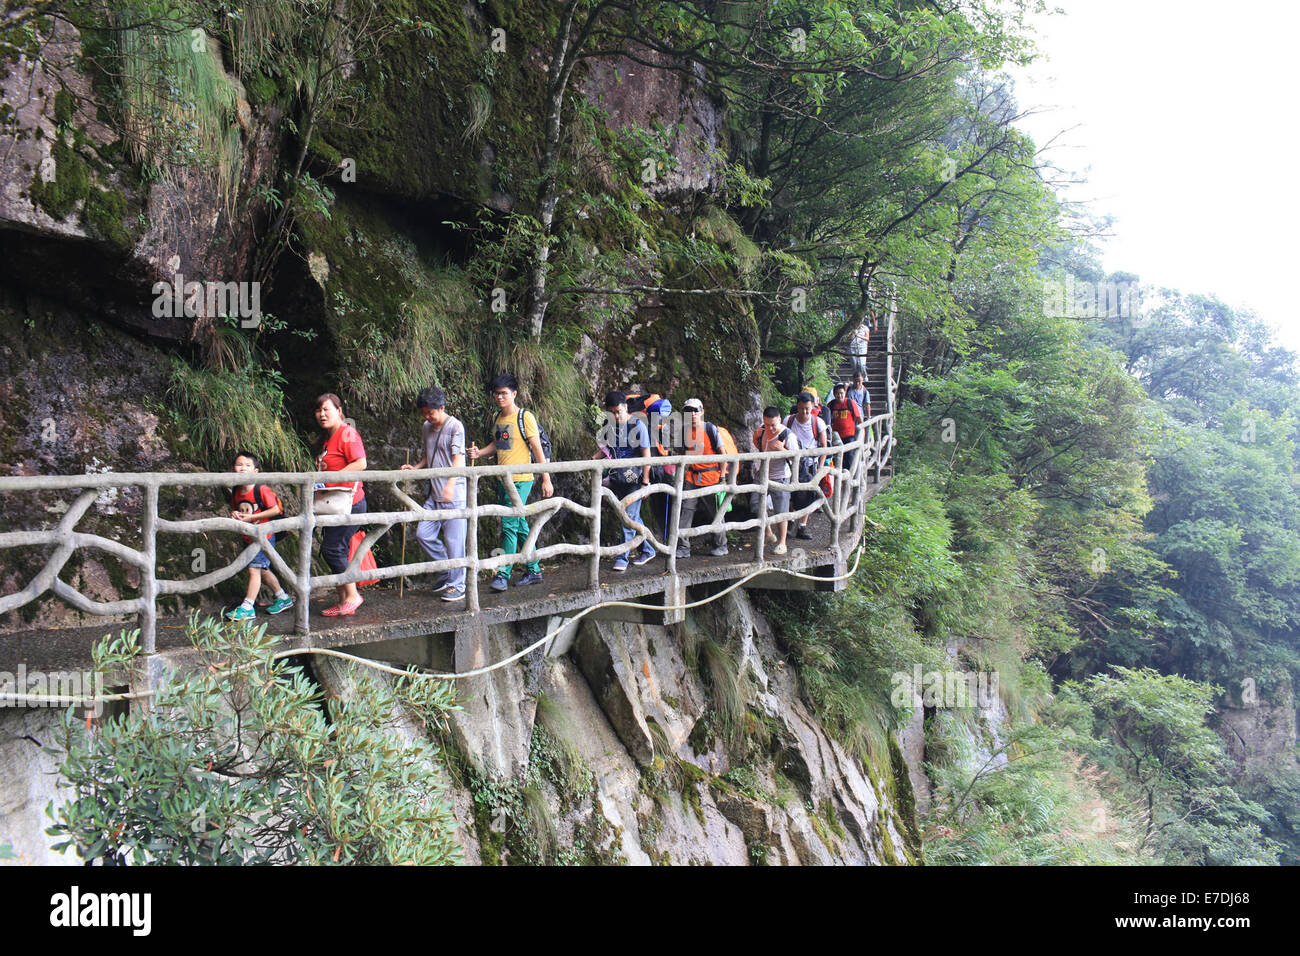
x,y
344,609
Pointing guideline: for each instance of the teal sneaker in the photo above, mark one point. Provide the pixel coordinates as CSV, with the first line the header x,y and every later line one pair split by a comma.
x,y
280,604
241,613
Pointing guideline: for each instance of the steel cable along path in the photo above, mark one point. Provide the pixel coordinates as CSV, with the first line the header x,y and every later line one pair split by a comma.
x,y
843,509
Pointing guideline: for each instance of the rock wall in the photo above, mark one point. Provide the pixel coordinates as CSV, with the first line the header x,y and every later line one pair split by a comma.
x,y
1260,733
28,784
641,744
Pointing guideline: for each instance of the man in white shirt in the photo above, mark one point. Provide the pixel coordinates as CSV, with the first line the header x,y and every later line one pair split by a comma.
x,y
812,433
774,436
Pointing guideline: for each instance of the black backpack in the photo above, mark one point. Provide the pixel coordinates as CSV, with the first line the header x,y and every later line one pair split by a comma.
x,y
261,506
542,437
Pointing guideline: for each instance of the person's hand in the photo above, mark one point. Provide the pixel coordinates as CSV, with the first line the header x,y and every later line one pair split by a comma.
x,y
237,515
406,468
474,453
547,488
448,494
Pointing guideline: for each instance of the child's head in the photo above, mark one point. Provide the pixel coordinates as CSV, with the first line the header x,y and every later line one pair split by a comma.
x,y
246,461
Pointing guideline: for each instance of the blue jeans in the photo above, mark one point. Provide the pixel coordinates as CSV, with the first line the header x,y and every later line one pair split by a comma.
x,y
633,512
444,539
334,542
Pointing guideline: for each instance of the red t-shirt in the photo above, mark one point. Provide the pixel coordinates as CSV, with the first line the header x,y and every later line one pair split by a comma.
x,y
845,417
269,500
342,448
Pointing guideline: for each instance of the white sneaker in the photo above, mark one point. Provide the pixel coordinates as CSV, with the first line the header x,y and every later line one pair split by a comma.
x,y
779,549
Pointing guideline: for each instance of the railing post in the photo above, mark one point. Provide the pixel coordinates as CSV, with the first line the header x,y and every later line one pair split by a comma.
x,y
675,517
837,496
149,573
471,543
593,572
302,583
760,550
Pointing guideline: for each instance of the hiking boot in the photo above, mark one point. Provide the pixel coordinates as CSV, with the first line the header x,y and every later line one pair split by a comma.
x,y
454,594
532,577
241,613
803,534
683,552
280,604
620,563
718,552
500,582
643,557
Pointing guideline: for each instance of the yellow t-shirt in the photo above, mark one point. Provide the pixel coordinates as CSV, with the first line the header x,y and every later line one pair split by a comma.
x,y
512,448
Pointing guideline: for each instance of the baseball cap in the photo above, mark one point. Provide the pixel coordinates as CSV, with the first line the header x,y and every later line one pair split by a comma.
x,y
693,405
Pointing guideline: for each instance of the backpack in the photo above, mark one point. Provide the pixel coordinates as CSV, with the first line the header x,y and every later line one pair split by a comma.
x,y
645,406
261,506
808,463
720,438
542,437
723,444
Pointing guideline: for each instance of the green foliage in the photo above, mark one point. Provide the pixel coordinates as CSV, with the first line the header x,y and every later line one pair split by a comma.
x,y
1150,728
1024,801
177,107
240,760
220,411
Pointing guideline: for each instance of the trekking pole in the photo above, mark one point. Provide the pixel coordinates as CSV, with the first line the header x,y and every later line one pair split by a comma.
x,y
401,582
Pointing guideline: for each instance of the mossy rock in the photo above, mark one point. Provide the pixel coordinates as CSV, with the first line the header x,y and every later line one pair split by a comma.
x,y
71,183
414,136
104,213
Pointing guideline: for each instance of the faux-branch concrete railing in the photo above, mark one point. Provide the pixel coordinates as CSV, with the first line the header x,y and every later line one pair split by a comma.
x,y
844,506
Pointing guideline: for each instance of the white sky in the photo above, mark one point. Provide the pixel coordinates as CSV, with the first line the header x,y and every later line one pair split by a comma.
x,y
1188,132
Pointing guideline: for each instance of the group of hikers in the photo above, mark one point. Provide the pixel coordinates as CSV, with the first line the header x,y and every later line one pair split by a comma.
x,y
633,433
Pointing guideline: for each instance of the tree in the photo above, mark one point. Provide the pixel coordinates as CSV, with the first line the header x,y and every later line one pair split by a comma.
x,y
241,761
1150,729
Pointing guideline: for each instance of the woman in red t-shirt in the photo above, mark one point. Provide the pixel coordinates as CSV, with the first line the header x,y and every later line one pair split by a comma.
x,y
342,451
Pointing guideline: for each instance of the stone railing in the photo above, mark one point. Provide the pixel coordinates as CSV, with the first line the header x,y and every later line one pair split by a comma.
x,y
844,508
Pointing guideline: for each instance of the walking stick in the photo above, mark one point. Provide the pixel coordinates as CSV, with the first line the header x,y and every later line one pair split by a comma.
x,y
401,581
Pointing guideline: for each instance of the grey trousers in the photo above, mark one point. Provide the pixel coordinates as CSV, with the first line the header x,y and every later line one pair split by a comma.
x,y
708,507
444,539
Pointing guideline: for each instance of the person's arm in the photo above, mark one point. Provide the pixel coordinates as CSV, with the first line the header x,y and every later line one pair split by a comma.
x,y
645,452
449,488
422,464
475,453
535,444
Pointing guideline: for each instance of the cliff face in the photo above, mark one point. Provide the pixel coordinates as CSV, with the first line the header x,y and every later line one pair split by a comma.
x,y
628,743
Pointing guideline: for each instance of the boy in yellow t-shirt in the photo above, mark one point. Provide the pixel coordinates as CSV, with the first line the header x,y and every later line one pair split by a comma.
x,y
513,448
